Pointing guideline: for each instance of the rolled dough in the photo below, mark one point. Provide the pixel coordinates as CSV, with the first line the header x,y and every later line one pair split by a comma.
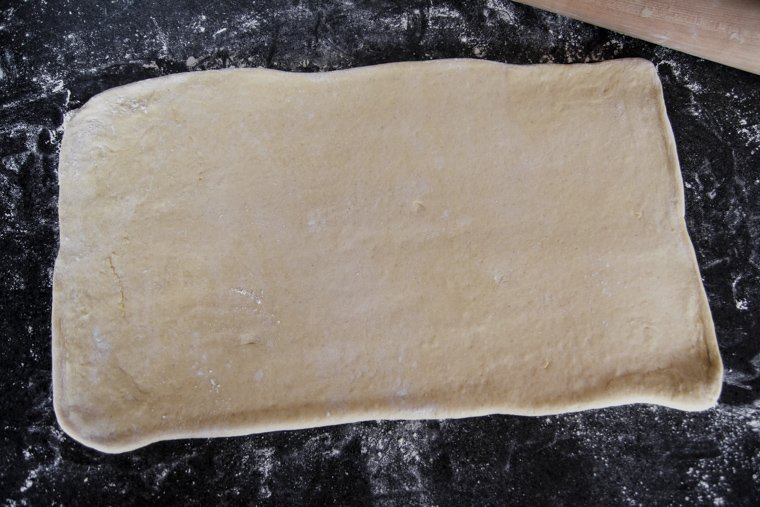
x,y
252,250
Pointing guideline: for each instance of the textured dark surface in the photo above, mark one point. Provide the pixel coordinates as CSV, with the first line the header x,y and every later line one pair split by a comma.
x,y
55,55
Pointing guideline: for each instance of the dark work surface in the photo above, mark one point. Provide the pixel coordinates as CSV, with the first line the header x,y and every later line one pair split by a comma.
x,y
54,55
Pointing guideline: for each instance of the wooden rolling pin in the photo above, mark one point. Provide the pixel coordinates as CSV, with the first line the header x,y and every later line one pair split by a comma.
x,y
725,31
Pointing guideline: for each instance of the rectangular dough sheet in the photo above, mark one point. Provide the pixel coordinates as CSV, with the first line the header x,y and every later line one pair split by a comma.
x,y
253,250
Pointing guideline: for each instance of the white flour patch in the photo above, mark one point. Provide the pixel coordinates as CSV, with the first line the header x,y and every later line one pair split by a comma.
x,y
264,463
403,447
750,134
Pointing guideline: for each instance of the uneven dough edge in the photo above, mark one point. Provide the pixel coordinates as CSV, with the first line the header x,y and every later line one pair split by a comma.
x,y
127,442
601,397
714,380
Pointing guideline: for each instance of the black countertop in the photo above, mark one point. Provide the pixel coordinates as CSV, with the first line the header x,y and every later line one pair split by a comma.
x,y
54,55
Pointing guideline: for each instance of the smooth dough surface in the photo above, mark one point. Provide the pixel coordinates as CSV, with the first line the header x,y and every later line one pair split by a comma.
x,y
254,250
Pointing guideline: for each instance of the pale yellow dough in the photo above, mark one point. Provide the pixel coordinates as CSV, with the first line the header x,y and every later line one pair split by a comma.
x,y
252,250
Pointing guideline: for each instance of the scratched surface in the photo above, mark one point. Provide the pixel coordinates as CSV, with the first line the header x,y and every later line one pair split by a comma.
x,y
55,55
